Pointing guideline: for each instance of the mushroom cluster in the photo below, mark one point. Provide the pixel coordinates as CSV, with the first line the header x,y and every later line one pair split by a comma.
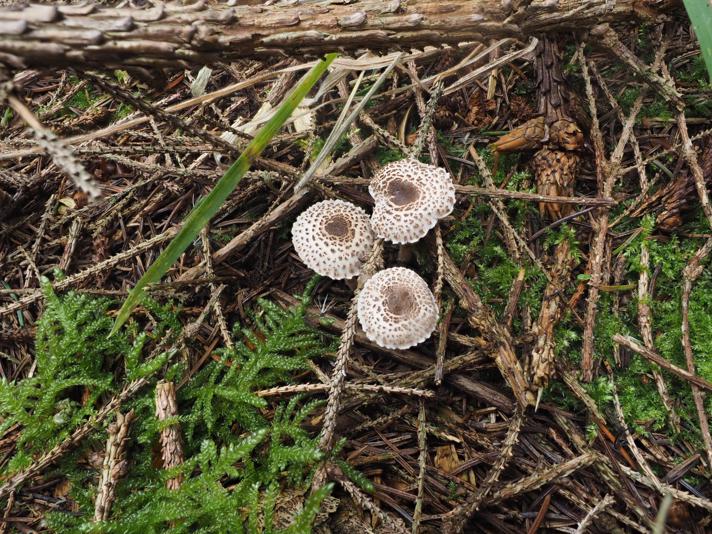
x,y
396,308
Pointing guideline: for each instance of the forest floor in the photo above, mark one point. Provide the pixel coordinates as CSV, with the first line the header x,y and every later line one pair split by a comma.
x,y
224,373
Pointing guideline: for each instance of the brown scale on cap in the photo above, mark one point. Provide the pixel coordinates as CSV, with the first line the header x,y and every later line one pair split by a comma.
x,y
333,238
410,198
396,309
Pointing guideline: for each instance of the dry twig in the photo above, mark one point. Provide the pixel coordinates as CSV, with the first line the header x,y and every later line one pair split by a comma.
x,y
171,442
114,466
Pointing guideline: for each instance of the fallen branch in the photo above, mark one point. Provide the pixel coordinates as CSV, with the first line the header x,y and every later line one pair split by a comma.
x,y
690,274
367,388
177,35
654,357
114,466
481,318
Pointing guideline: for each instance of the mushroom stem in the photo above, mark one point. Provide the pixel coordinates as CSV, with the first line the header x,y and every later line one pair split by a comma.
x,y
405,254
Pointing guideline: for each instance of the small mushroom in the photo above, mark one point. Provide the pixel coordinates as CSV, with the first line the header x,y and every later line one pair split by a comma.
x,y
333,238
410,199
396,308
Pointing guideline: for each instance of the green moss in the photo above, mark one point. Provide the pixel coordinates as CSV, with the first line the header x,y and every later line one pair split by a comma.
x,y
74,358
84,98
656,108
466,236
641,403
693,72
7,116
123,111
496,271
698,105
639,397
241,452
627,98
645,45
387,155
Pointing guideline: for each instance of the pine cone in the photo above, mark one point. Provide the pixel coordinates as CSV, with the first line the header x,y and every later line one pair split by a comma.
x,y
675,198
555,172
565,134
527,136
671,201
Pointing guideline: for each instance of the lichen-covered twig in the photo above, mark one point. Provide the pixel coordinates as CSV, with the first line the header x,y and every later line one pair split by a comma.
x,y
640,166
8,510
338,375
642,462
515,244
443,327
606,36
488,192
365,388
57,149
690,274
482,318
664,488
541,478
90,271
171,442
690,155
219,315
152,112
593,512
654,357
394,524
426,132
607,173
645,322
71,245
422,460
46,216
114,466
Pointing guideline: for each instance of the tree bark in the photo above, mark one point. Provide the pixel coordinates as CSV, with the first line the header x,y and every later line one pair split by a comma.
x,y
177,35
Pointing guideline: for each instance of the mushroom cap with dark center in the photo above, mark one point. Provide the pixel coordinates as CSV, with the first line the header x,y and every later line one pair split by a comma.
x,y
396,308
338,226
333,238
402,192
399,301
410,197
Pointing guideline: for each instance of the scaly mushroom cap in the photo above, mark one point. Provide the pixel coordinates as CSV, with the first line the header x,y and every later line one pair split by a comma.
x,y
396,308
333,238
410,199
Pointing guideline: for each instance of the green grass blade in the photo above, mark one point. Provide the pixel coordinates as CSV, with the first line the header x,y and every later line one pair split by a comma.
x,y
700,13
206,208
